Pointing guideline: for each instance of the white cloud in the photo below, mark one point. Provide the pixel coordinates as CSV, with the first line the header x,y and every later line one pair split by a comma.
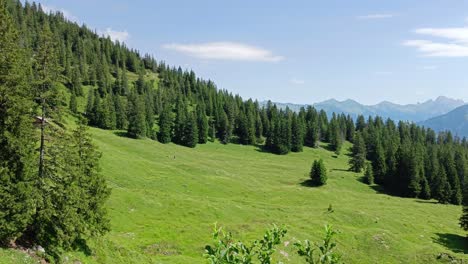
x,y
67,14
453,42
225,51
459,35
297,81
115,35
376,16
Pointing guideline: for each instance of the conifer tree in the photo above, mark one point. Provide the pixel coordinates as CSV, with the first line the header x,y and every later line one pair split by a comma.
x,y
425,189
443,190
190,138
464,216
73,104
318,173
76,82
369,175
71,206
121,121
297,136
335,136
165,125
17,171
202,124
136,116
378,164
358,154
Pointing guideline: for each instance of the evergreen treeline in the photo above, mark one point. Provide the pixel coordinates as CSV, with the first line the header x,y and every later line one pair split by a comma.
x,y
411,161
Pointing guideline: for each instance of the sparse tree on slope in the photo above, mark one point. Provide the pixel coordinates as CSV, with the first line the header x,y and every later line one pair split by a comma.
x,y
318,173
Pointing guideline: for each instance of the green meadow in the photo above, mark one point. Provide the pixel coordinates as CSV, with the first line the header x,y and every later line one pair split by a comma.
x,y
166,198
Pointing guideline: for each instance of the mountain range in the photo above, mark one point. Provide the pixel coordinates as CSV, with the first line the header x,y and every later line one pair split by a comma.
x,y
410,112
455,121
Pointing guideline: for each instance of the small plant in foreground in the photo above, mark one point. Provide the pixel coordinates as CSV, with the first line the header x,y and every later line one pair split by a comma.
x,y
325,254
226,251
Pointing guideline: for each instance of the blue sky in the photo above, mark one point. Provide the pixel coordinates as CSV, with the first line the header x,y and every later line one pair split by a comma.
x,y
298,51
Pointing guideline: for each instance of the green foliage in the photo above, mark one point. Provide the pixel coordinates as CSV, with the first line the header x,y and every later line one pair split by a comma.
x,y
325,250
369,175
72,194
17,138
318,173
165,125
464,216
226,251
73,104
202,125
136,116
297,134
358,154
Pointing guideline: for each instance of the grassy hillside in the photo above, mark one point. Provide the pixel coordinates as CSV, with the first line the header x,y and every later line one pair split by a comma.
x,y
165,199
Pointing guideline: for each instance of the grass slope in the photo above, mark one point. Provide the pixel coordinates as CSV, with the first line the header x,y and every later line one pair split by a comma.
x,y
165,199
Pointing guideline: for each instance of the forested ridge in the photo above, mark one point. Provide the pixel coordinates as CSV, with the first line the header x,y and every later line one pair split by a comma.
x,y
177,106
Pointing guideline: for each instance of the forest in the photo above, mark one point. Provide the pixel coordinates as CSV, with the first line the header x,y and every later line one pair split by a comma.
x,y
42,52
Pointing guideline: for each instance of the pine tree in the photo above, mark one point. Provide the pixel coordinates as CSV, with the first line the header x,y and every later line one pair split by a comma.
x,y
76,82
464,216
335,136
318,173
17,173
73,104
121,121
190,138
426,189
358,154
369,175
47,71
378,164
136,116
71,206
443,190
165,125
297,136
202,124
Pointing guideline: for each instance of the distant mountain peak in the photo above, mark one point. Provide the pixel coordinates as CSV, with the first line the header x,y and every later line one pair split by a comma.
x,y
416,112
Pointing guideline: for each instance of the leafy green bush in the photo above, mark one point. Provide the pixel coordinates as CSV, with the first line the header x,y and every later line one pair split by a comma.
x,y
226,251
325,254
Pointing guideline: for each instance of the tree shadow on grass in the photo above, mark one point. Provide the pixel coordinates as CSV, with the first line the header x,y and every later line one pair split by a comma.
x,y
454,242
427,201
82,246
309,183
121,134
345,170
377,188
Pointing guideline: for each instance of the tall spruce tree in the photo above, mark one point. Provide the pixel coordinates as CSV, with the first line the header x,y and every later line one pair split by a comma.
x,y
369,174
202,125
358,154
297,136
464,216
136,116
17,164
165,125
